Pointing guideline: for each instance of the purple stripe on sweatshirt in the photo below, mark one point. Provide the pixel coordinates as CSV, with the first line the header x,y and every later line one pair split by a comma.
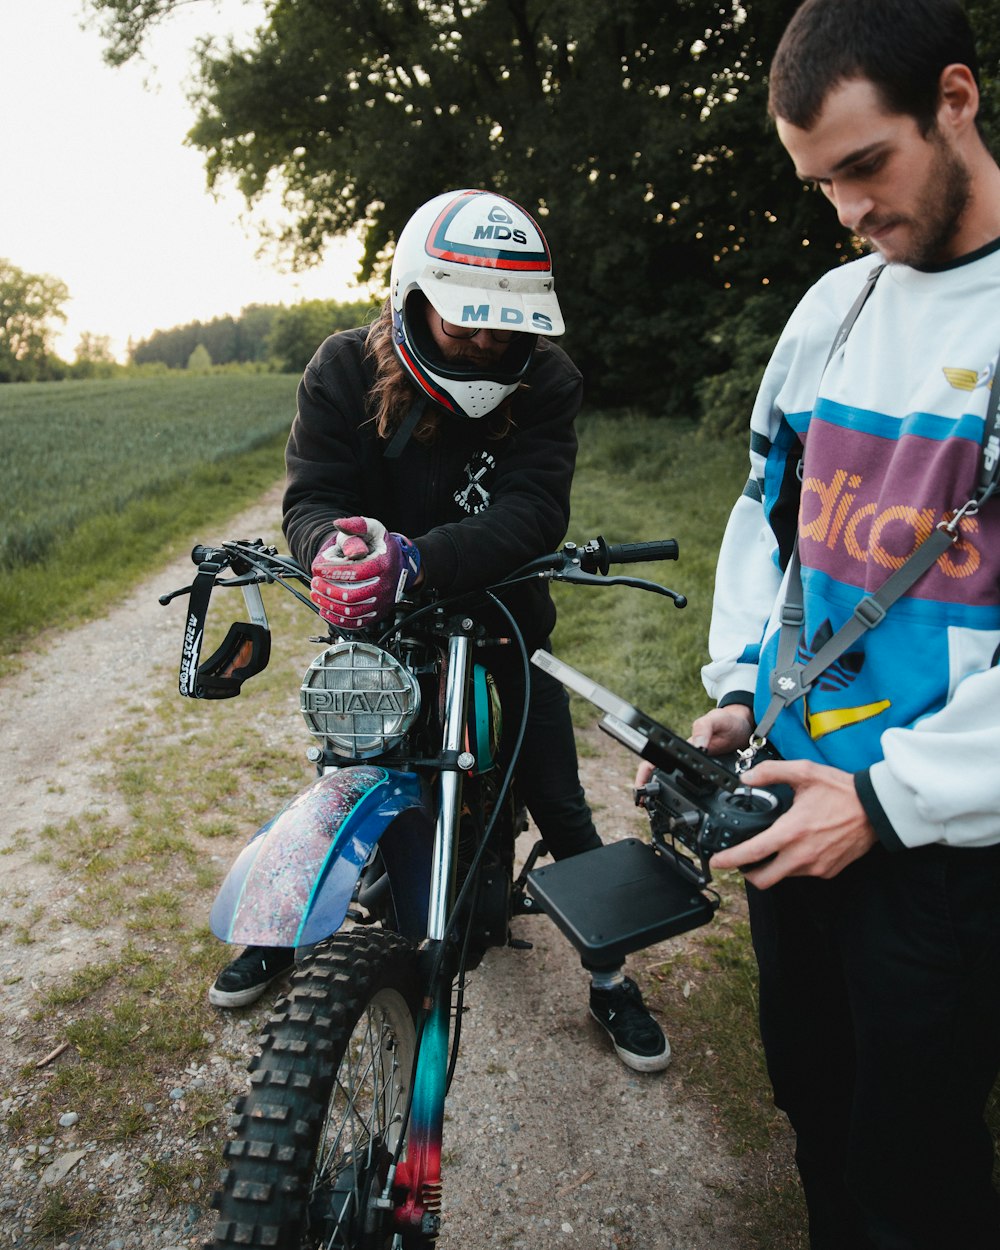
x,y
868,501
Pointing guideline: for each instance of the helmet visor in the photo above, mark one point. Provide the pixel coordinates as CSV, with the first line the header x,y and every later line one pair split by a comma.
x,y
498,301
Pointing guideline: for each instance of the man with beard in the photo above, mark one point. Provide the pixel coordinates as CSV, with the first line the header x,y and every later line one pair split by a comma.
x,y
875,900
451,419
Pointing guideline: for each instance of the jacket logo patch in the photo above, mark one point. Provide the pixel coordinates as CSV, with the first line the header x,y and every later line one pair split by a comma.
x,y
474,496
838,676
968,379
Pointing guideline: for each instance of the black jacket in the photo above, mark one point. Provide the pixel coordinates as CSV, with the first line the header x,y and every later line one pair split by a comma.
x,y
476,506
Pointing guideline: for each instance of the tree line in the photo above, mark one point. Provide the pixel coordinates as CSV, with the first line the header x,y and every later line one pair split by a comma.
x,y
638,131
279,337
270,336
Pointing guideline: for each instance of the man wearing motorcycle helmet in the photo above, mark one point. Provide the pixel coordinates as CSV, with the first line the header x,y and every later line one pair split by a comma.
x,y
451,419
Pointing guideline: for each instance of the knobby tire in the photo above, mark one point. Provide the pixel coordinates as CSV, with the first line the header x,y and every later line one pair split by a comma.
x,y
315,1135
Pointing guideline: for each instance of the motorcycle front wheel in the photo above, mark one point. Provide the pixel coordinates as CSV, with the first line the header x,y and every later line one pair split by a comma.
x,y
315,1136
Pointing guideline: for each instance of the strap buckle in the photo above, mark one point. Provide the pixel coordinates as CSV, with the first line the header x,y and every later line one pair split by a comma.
x,y
970,508
869,611
792,614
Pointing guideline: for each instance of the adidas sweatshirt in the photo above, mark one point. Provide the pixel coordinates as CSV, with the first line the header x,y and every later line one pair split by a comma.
x,y
862,457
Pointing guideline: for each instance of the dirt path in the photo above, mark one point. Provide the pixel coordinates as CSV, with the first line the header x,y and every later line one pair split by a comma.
x,y
549,1139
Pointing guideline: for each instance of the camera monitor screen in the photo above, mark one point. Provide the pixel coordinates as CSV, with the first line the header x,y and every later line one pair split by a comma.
x,y
639,732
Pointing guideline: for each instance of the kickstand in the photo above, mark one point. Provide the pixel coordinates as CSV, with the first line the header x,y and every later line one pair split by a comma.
x,y
522,904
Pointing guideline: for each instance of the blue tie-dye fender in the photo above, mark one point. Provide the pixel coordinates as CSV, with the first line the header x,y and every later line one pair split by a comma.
x,y
293,882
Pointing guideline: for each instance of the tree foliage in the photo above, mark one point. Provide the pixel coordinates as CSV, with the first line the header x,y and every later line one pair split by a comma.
x,y
299,330
200,361
30,304
638,131
280,337
242,339
93,357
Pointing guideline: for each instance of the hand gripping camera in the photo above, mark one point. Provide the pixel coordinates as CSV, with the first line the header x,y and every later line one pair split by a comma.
x,y
696,800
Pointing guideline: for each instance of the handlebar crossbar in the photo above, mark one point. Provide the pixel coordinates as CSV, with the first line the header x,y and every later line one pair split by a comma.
x,y
254,563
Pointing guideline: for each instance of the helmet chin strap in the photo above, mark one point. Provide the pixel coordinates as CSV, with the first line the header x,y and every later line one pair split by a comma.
x,y
406,428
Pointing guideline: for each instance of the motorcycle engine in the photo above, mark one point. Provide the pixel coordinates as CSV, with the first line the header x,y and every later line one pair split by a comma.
x,y
358,699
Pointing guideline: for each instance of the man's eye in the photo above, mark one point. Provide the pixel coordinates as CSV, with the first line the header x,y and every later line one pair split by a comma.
x,y
867,168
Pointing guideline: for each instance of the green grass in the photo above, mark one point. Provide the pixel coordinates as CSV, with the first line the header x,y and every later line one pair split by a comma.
x,y
640,479
75,450
105,480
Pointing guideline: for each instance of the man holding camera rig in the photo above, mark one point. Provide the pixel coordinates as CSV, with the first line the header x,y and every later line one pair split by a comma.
x,y
875,900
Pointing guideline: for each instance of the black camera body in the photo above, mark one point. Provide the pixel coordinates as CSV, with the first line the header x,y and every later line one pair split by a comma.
x,y
694,799
698,800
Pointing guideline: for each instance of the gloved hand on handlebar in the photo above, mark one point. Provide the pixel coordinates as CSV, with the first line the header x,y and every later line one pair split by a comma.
x,y
362,572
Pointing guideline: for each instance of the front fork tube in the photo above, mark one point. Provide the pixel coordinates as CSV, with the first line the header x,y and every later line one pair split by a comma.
x,y
419,1174
450,789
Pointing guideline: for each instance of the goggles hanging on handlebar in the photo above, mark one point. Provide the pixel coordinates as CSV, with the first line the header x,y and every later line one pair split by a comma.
x,y
244,652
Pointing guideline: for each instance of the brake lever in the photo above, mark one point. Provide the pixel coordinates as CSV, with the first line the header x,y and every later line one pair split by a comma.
x,y
184,590
250,578
577,576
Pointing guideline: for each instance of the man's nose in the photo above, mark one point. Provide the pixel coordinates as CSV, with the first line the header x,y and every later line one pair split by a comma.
x,y
852,206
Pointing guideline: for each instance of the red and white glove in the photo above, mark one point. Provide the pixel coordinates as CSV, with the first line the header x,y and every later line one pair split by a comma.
x,y
362,573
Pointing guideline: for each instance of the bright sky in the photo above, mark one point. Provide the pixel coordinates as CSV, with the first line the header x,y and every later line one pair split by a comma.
x,y
99,189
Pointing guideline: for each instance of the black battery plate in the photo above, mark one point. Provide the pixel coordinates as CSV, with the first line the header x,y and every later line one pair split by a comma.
x,y
618,899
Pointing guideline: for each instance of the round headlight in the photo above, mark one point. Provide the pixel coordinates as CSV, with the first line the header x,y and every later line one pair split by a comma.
x,y
358,699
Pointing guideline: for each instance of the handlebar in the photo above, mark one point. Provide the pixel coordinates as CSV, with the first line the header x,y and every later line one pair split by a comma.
x,y
254,562
598,555
208,555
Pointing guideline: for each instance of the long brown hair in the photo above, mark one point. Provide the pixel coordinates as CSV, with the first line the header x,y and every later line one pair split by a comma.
x,y
394,391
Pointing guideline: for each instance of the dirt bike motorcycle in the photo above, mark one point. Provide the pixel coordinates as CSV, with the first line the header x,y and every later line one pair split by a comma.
x,y
390,874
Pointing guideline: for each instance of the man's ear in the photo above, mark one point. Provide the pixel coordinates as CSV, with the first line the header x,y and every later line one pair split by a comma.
x,y
958,99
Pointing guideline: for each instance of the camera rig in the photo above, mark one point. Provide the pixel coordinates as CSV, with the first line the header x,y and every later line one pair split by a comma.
x,y
695,801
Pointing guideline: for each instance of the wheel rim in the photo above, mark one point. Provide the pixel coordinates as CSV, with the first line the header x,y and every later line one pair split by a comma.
x,y
361,1130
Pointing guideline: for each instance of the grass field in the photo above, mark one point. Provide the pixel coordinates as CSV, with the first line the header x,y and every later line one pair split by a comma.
x,y
73,450
639,479
102,478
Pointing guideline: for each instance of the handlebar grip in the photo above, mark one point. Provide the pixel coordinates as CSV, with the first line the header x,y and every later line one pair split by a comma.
x,y
200,554
639,553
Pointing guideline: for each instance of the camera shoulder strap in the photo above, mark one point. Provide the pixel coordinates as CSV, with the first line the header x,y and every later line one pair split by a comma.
x,y
790,680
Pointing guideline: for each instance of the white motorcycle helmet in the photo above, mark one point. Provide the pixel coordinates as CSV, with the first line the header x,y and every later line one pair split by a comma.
x,y
481,262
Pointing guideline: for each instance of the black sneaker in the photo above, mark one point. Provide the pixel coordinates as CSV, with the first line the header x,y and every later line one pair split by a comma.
x,y
248,976
639,1041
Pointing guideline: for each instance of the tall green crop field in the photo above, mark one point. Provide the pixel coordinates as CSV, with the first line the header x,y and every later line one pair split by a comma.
x,y
76,450
99,477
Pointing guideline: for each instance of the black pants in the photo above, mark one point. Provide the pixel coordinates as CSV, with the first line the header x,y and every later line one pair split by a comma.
x,y
880,1017
547,771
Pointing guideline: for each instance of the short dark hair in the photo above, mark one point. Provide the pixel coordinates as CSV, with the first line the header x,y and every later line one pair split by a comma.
x,y
901,46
